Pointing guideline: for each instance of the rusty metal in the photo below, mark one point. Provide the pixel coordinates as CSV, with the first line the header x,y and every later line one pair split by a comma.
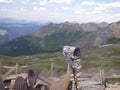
x,y
71,52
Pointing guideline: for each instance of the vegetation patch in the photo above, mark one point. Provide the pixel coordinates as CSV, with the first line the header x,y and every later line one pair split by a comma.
x,y
112,80
113,40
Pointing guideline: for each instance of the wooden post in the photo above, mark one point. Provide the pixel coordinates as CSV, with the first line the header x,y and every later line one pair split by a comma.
x,y
68,68
16,68
0,65
11,70
12,84
103,73
102,77
52,69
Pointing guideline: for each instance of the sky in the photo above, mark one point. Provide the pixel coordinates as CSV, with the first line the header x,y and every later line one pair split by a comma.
x,y
61,10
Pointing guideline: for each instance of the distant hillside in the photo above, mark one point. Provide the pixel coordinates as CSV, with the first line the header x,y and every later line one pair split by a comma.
x,y
11,28
53,37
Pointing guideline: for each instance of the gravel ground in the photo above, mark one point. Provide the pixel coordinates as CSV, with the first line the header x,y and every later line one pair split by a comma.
x,y
97,87
113,87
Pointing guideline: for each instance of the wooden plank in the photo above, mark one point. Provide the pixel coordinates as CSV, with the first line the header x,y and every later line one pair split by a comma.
x,y
11,70
62,84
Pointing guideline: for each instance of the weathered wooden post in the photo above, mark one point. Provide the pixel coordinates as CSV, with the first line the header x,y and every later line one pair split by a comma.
x,y
52,70
16,68
0,65
68,68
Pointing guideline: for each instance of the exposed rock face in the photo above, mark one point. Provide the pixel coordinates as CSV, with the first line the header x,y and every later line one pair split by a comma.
x,y
115,28
69,27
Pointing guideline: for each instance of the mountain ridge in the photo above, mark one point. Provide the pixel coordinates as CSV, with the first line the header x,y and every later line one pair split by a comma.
x,y
53,37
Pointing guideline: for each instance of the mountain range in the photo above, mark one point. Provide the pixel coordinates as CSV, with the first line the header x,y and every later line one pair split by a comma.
x,y
11,28
53,37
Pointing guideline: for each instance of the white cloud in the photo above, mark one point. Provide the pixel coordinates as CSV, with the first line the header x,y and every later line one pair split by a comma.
x,y
24,1
3,8
6,1
22,9
61,1
88,3
39,8
105,6
113,4
44,2
117,15
67,9
76,14
102,6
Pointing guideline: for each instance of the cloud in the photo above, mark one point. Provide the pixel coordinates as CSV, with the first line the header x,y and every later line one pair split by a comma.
x,y
88,3
67,8
22,9
3,8
106,6
46,2
6,1
43,2
62,1
113,4
50,10
101,6
24,1
39,8
80,13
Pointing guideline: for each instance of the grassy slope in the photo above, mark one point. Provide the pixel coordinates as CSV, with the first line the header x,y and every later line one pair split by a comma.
x,y
29,45
108,57
113,40
39,62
